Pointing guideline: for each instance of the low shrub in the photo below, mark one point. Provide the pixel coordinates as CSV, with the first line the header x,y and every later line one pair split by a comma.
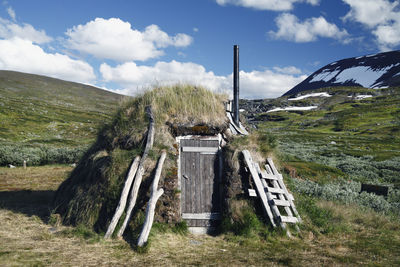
x,y
363,168
39,155
348,192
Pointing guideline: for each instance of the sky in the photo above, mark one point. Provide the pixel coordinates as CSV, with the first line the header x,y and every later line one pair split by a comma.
x,y
128,46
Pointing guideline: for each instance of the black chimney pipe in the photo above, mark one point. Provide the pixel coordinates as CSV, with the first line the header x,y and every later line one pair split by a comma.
x,y
236,84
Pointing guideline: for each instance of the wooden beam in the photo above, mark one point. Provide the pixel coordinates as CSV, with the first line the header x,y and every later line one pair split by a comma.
x,y
124,197
238,128
281,202
289,219
259,186
272,166
252,193
151,205
139,173
211,150
274,190
267,176
202,216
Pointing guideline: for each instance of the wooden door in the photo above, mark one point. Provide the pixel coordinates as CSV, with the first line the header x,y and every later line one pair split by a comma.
x,y
200,178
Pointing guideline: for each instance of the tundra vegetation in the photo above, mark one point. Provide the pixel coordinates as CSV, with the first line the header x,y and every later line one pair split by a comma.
x,y
324,155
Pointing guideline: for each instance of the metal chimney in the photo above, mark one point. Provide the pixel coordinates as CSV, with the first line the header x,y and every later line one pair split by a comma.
x,y
236,84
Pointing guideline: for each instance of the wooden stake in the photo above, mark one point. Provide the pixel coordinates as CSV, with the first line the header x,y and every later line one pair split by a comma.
x,y
139,173
124,197
154,196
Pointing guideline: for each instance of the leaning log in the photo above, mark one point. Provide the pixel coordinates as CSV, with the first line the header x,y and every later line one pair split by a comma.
x,y
154,196
139,173
124,198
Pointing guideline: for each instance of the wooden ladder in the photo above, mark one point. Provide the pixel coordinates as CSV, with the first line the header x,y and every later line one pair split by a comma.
x,y
273,193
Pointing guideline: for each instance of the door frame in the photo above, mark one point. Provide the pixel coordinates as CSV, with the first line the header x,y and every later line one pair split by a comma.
x,y
220,169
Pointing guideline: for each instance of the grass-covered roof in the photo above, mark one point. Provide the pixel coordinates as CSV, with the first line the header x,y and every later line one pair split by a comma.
x,y
92,191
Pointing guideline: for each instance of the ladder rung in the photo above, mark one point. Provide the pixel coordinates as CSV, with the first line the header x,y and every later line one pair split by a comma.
x,y
288,219
265,175
282,203
274,190
269,176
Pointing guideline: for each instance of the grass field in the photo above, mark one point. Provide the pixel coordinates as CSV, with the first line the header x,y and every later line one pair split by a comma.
x,y
324,155
42,117
333,234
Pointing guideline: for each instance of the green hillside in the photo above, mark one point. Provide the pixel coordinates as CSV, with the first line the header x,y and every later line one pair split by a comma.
x,y
38,111
331,150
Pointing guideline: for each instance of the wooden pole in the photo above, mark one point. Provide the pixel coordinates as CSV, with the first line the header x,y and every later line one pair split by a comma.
x,y
139,173
124,197
236,84
154,196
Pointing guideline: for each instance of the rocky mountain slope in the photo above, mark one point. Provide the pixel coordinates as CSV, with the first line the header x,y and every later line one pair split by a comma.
x,y
371,71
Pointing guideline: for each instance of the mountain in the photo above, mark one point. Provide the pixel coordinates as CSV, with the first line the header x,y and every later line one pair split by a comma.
x,y
371,71
36,110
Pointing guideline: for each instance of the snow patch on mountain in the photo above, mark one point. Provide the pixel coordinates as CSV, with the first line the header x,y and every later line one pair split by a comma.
x,y
360,97
364,76
324,94
292,108
326,75
371,71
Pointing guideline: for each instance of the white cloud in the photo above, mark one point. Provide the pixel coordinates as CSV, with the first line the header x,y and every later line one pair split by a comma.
x,y
255,84
22,55
288,70
267,83
381,16
11,13
276,5
388,36
9,30
370,12
115,39
291,29
136,77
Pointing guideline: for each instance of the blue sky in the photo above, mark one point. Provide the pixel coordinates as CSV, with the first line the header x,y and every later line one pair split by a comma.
x,y
130,46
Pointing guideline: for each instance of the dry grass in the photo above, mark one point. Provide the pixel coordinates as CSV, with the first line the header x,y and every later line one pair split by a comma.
x,y
33,178
361,237
185,104
173,105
